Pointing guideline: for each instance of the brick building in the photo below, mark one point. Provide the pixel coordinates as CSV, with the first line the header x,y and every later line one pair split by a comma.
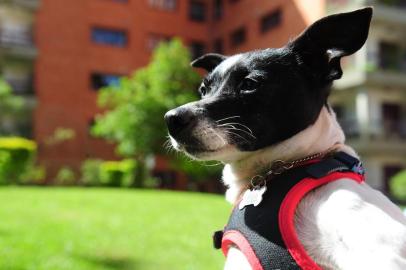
x,y
84,45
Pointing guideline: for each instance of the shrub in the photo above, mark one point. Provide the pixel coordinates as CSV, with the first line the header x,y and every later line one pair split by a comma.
x,y
65,176
117,173
16,159
96,172
90,172
398,186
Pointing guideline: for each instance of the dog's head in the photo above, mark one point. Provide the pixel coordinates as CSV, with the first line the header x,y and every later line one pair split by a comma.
x,y
260,98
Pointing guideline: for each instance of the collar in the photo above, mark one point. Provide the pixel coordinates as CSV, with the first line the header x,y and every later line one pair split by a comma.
x,y
280,166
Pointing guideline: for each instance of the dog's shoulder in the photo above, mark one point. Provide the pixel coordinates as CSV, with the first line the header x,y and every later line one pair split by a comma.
x,y
344,223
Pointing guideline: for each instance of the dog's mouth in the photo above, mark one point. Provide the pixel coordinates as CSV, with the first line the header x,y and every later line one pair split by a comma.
x,y
196,149
209,140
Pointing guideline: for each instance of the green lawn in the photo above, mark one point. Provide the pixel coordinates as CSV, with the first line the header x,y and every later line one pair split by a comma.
x,y
73,228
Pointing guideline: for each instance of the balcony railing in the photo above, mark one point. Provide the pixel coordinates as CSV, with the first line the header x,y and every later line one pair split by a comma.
x,y
21,86
16,37
374,129
18,42
33,4
393,3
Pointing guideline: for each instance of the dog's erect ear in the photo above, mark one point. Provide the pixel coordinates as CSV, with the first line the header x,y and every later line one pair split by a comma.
x,y
322,44
208,61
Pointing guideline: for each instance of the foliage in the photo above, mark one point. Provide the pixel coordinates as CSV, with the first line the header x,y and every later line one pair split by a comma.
x,y
90,172
9,103
117,173
16,159
108,229
139,103
65,176
96,172
136,105
197,170
398,186
60,135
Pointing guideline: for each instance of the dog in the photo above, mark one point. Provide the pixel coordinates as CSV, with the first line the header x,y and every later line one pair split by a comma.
x,y
272,104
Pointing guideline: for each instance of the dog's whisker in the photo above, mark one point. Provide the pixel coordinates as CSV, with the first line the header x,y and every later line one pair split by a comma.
x,y
236,134
242,125
218,135
213,165
246,132
235,116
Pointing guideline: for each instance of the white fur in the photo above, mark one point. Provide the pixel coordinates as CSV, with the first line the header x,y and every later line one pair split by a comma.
x,y
342,225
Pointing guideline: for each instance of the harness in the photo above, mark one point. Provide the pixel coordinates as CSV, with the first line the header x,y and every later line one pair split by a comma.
x,y
264,231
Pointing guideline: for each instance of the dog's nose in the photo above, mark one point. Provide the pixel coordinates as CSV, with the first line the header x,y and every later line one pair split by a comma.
x,y
178,120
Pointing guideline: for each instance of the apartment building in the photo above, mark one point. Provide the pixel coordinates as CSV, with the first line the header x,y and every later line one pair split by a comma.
x,y
370,99
84,45
17,55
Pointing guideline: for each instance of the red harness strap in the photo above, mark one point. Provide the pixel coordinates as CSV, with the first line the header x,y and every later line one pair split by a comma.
x,y
287,213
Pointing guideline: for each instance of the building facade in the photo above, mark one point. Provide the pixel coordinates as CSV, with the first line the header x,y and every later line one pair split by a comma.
x,y
17,55
84,45
370,99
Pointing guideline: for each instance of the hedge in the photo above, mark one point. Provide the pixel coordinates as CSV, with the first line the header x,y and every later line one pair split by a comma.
x,y
96,172
17,156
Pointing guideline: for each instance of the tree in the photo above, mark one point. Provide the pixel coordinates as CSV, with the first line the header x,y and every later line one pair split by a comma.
x,y
11,106
136,105
397,186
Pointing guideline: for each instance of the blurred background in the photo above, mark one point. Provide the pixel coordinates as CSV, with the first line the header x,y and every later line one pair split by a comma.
x,y
84,86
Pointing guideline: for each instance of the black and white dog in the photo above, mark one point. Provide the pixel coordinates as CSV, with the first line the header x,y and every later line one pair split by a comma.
x,y
267,105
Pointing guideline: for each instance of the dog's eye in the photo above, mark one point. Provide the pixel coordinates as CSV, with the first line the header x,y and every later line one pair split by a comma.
x,y
249,85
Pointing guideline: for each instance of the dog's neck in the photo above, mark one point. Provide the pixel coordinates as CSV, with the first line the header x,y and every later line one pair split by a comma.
x,y
323,135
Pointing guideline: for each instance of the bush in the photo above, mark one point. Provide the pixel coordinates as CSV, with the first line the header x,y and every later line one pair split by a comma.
x,y
117,173
90,172
96,172
17,157
65,176
398,186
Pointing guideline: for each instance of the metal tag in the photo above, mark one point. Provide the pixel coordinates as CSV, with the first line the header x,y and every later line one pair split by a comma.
x,y
252,197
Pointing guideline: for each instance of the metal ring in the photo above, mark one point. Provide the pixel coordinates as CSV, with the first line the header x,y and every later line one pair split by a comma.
x,y
257,181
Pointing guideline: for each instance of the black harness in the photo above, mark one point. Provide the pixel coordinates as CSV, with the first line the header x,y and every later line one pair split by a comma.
x,y
256,230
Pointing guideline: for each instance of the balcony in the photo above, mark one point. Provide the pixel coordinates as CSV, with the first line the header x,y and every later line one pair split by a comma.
x,y
393,11
21,85
31,4
17,43
378,136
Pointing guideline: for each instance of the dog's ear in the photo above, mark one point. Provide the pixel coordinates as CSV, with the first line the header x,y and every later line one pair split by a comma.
x,y
322,44
208,61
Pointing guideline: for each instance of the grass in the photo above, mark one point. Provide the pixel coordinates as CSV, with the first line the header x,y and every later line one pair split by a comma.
x,y
112,229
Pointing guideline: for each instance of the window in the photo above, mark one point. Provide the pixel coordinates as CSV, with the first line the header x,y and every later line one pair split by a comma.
x,y
391,119
391,56
117,38
99,80
238,37
197,11
218,9
168,5
197,49
218,46
271,21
